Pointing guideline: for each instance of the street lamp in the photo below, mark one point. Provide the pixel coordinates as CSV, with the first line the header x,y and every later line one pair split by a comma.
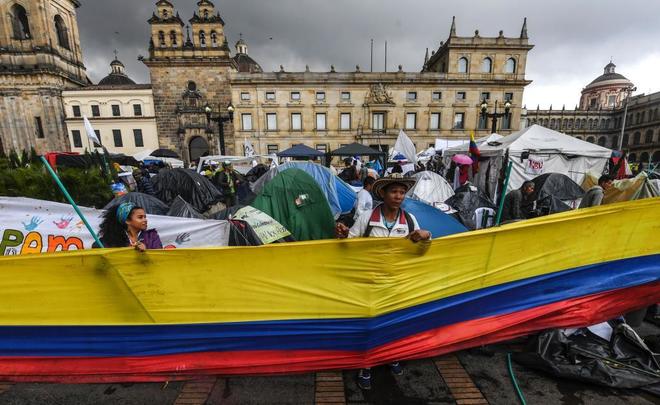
x,y
220,119
629,91
495,115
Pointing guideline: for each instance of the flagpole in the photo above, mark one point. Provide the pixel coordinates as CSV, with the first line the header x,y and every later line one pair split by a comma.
x,y
503,193
73,204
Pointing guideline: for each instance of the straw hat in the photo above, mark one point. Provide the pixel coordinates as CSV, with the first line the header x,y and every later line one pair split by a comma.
x,y
395,178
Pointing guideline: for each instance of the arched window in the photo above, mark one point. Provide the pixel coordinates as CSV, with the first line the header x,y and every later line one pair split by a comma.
x,y
214,39
637,138
591,123
615,142
510,66
637,118
165,15
626,138
644,157
202,38
487,65
62,32
19,21
552,123
584,123
602,141
161,38
192,86
206,13
643,116
173,38
607,123
648,138
590,139
656,157
570,123
462,65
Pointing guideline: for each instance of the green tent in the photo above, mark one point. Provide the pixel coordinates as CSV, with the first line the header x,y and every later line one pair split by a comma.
x,y
295,200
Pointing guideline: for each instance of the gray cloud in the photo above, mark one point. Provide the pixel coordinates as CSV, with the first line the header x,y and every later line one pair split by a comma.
x,y
574,39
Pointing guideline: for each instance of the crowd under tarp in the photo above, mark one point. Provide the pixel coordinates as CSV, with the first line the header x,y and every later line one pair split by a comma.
x,y
166,315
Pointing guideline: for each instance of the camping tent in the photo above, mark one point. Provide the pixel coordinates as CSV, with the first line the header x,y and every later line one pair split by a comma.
x,y
191,186
151,204
301,151
433,220
294,199
340,195
430,188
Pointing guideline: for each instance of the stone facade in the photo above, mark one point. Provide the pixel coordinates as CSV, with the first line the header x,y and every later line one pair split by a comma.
x,y
40,56
601,121
191,68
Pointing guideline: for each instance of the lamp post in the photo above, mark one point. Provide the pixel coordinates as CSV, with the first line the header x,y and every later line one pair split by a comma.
x,y
628,91
220,119
495,115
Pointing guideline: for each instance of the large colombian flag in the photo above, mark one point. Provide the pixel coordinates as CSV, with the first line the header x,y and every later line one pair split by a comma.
x,y
117,315
475,154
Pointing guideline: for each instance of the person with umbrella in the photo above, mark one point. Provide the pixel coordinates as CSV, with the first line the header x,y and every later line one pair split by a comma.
x,y
387,220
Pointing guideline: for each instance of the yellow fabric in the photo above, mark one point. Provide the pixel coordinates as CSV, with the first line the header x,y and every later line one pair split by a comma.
x,y
321,279
621,190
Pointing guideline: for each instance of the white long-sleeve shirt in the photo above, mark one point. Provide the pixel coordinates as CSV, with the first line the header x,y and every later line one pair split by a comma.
x,y
365,203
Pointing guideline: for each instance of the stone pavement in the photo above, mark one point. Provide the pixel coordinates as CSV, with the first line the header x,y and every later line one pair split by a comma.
x,y
477,376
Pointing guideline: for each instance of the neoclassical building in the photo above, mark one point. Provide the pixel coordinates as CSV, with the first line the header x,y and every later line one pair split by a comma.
x,y
40,56
193,72
599,117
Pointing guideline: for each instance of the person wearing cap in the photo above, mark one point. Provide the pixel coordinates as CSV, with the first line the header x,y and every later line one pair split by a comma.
x,y
227,181
388,220
126,225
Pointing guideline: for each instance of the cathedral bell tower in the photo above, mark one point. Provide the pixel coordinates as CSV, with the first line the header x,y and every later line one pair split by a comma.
x,y
189,66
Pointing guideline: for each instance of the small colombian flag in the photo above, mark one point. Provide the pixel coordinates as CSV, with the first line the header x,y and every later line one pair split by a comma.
x,y
474,153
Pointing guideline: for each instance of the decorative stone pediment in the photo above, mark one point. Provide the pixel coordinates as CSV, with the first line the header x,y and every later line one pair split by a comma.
x,y
378,95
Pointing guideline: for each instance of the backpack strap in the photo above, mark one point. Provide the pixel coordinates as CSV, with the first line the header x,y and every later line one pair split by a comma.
x,y
409,221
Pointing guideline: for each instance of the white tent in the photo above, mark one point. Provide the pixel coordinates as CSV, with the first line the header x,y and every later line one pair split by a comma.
x,y
430,188
537,150
464,147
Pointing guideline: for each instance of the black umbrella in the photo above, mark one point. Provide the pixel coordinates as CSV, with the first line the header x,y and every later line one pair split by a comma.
x,y
194,188
124,160
165,153
151,204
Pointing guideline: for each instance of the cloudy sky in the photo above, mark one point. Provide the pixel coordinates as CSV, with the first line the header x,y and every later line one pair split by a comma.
x,y
574,39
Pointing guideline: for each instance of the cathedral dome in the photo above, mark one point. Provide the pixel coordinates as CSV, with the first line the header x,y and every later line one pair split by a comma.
x,y
117,76
245,63
610,78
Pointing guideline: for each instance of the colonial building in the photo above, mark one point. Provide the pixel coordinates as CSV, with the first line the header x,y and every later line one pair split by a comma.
x,y
121,112
193,72
599,118
40,56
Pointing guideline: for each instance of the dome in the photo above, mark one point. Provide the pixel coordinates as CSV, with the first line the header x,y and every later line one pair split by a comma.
x,y
117,76
609,78
246,64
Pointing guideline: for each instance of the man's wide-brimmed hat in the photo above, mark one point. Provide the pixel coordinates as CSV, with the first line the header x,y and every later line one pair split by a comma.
x,y
395,178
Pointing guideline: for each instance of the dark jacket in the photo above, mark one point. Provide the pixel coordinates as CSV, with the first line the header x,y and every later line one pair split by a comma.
x,y
145,186
517,206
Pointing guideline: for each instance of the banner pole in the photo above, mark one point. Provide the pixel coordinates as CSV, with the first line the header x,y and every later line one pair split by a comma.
x,y
73,204
503,193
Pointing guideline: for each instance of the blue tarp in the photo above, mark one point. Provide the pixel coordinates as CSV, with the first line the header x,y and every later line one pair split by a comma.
x,y
340,195
432,219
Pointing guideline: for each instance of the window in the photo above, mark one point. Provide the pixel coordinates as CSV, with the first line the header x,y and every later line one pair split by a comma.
x,y
137,136
270,96
611,101
20,24
295,96
411,120
592,102
245,96
602,141
202,39
345,121
508,97
345,96
487,65
483,121
378,121
115,110
161,38
436,96
648,138
96,112
462,65
98,136
637,138
173,38
214,39
506,121
77,140
320,96
485,95
510,66
411,96
116,135
435,121
626,138
137,110
272,149
76,110
615,142
271,122
320,122
296,122
246,122
322,147
459,120
206,14
460,95
39,128
62,32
